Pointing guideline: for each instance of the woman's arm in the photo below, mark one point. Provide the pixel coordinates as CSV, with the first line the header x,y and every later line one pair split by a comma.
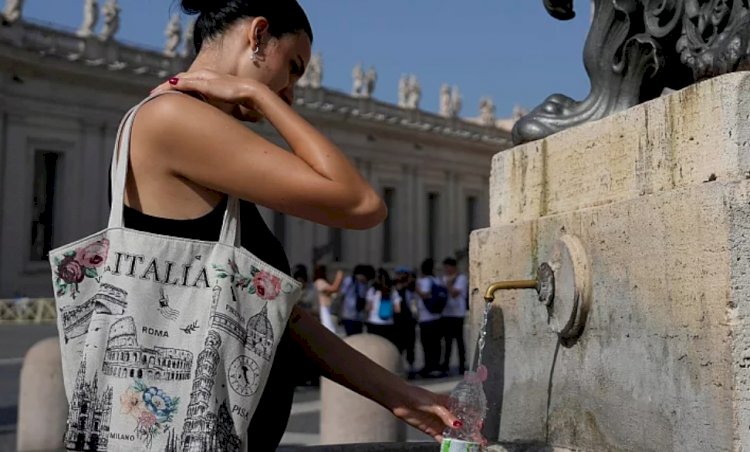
x,y
196,141
339,278
342,364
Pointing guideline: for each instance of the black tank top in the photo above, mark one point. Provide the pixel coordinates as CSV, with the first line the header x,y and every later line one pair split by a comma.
x,y
256,237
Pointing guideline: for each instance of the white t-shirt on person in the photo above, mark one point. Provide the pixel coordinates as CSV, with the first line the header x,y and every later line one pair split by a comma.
x,y
424,284
373,299
456,306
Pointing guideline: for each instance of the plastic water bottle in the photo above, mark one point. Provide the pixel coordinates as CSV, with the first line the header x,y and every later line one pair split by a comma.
x,y
469,404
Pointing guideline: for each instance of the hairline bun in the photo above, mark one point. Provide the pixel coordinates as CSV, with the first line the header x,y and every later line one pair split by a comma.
x,y
201,6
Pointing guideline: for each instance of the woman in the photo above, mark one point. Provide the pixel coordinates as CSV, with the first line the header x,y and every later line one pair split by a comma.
x,y
326,291
383,303
190,151
429,322
405,321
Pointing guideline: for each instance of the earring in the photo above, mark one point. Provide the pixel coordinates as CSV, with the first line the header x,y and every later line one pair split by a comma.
x,y
256,51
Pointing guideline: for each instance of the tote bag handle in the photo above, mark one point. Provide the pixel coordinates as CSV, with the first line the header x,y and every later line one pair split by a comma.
x,y
230,228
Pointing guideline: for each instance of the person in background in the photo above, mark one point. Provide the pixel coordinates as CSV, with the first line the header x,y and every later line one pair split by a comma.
x,y
429,322
454,314
309,296
325,294
405,323
353,294
383,302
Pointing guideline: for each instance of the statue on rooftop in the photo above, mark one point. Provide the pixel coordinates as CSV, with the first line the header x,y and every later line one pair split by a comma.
x,y
403,88
487,111
188,49
90,19
314,72
446,105
12,11
111,14
358,80
371,78
413,93
173,34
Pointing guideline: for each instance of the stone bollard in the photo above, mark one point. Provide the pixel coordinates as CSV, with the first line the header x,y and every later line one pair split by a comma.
x,y
42,406
347,417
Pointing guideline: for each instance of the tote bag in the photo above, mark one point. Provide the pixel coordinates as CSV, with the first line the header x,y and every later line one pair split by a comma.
x,y
166,343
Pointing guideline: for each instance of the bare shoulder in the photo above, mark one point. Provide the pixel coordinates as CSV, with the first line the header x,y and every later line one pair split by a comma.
x,y
175,124
177,110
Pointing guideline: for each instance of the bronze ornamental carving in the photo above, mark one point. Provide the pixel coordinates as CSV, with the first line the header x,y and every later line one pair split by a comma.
x,y
636,49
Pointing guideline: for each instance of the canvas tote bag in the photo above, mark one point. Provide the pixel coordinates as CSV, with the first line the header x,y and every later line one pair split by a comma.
x,y
166,342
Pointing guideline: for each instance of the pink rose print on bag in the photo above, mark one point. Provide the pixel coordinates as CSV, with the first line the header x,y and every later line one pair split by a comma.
x,y
267,286
260,282
93,255
75,266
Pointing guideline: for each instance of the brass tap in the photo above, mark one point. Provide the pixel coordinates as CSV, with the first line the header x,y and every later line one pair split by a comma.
x,y
544,284
489,296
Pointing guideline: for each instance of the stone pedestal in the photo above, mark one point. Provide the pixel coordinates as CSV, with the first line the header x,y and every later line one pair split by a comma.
x,y
659,196
42,406
347,417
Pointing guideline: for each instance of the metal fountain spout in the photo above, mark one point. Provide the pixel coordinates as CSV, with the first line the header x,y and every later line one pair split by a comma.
x,y
542,284
563,285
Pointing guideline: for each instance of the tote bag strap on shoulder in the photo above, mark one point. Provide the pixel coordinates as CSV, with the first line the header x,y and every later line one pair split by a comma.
x,y
230,229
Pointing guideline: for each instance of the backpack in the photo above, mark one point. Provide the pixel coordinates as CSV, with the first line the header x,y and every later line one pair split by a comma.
x,y
385,311
438,297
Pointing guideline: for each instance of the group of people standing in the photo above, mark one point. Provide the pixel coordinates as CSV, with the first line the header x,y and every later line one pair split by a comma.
x,y
396,308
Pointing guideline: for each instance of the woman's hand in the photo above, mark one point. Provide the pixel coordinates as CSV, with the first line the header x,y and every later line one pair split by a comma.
x,y
425,411
233,94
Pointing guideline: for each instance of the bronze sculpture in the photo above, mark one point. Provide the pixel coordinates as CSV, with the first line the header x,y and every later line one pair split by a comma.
x,y
636,49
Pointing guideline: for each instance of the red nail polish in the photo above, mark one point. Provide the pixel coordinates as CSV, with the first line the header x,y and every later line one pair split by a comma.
x,y
458,424
173,80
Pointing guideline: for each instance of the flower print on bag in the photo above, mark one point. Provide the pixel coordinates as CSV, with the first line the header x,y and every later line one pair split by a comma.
x,y
266,285
93,255
131,403
259,282
151,408
75,266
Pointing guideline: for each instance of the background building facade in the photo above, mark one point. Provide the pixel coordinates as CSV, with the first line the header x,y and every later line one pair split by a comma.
x,y
62,96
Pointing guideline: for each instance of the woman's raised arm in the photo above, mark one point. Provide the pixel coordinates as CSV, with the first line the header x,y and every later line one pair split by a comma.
x,y
201,143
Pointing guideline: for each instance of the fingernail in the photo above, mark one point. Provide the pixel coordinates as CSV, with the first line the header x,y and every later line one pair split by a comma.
x,y
173,80
458,424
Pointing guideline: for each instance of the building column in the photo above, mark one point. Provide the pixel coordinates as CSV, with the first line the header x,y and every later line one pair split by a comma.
x,y
96,157
419,236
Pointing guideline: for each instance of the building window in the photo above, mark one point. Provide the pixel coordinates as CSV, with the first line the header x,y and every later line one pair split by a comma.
x,y
433,216
471,214
389,199
335,239
43,204
279,227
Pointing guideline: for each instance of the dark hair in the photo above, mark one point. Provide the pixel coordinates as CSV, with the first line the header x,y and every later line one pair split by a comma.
x,y
428,267
216,16
320,272
450,261
383,283
300,273
369,272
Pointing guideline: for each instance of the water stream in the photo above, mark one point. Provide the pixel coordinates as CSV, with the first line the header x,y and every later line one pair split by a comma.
x,y
482,336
